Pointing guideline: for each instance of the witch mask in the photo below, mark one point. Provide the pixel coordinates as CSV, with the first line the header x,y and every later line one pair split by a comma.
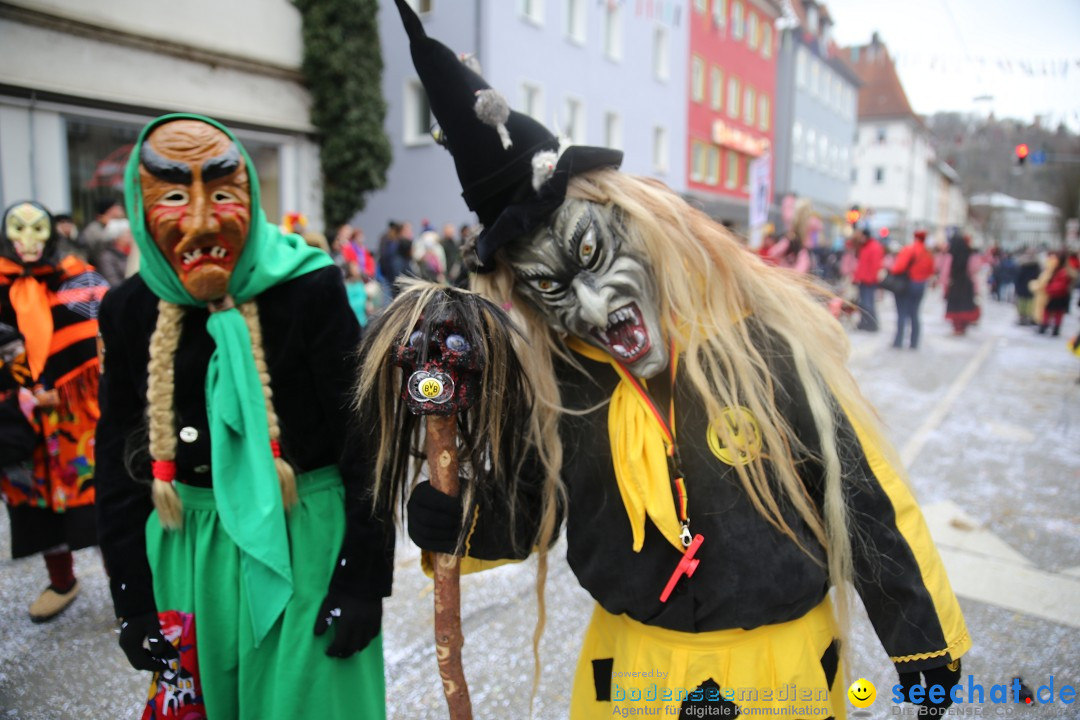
x,y
588,282
197,199
28,227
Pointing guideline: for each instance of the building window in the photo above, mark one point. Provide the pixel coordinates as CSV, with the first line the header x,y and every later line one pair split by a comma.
x,y
823,150
738,26
712,172
575,21
417,114
745,162
97,152
532,10
763,112
612,32
532,101
854,175
800,67
697,79
811,147
574,116
731,173
716,87
766,40
879,175
660,149
612,130
719,13
660,53
698,161
797,142
733,97
748,106
815,77
752,30
702,6
422,7
881,135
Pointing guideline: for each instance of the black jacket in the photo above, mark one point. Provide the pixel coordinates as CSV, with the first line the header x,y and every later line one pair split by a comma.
x,y
750,573
310,337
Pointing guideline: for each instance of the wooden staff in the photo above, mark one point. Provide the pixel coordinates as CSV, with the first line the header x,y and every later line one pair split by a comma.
x,y
443,467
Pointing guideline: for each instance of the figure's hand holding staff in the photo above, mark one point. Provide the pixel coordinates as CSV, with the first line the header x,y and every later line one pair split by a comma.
x,y
445,354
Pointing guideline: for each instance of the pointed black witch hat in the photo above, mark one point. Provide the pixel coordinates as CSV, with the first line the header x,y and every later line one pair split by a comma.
x,y
512,170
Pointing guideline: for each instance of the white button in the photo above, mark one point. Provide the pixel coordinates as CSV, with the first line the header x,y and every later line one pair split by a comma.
x,y
189,434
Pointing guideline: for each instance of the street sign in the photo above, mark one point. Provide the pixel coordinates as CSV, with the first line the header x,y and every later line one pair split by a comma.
x,y
1037,158
760,191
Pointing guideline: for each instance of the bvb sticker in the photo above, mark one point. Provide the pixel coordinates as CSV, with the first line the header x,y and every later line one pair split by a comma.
x,y
745,436
430,388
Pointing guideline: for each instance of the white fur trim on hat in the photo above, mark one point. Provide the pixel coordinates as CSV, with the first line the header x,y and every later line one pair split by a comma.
x,y
492,109
543,164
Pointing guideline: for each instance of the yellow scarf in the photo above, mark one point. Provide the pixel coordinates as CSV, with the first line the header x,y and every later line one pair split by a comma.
x,y
639,454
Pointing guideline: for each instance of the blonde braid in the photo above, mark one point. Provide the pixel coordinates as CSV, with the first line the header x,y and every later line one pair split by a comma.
x,y
285,472
160,389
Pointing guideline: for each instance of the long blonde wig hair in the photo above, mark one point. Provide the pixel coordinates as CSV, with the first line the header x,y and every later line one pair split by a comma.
x,y
707,284
161,414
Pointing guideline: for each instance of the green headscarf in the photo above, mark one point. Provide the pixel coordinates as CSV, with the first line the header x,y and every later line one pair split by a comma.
x,y
245,480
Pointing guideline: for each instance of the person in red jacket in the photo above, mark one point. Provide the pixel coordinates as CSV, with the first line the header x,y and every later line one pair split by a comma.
x,y
918,263
1058,290
870,255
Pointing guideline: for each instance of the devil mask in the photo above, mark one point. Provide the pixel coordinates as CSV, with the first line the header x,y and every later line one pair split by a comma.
x,y
197,200
29,233
589,283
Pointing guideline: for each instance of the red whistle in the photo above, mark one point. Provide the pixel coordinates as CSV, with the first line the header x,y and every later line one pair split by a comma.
x,y
686,566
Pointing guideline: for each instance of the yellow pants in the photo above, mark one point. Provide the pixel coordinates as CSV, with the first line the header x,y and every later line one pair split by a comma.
x,y
653,670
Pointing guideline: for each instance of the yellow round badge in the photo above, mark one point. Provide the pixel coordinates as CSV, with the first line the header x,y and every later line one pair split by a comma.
x,y
862,693
745,435
431,388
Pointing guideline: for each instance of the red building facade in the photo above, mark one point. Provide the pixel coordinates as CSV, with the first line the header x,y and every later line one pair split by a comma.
x,y
731,97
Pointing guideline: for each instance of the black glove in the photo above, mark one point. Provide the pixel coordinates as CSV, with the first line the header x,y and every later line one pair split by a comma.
x,y
434,519
136,630
944,675
356,622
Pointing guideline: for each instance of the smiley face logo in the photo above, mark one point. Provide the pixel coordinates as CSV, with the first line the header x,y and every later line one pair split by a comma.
x,y
431,388
862,693
743,433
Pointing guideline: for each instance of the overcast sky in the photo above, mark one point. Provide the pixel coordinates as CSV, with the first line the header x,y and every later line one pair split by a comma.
x,y
950,52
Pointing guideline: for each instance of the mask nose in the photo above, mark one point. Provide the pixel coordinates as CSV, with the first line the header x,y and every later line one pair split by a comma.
x,y
592,300
200,220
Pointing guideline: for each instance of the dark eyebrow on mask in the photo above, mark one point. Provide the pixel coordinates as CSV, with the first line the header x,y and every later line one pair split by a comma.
x,y
174,171
222,165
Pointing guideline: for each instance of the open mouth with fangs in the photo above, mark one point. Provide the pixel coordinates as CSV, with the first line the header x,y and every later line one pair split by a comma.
x,y
215,254
625,335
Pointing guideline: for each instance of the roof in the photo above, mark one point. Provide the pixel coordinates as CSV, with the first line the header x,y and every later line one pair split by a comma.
x,y
881,94
1001,200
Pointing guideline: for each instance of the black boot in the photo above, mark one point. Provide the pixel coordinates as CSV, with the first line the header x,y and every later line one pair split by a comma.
x,y
1056,331
1042,329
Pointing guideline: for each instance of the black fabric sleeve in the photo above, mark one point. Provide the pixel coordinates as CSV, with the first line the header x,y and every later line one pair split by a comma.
x,y
366,561
122,503
500,532
897,571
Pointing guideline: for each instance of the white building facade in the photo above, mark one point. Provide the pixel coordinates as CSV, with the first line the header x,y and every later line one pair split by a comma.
x,y
79,79
1013,224
607,74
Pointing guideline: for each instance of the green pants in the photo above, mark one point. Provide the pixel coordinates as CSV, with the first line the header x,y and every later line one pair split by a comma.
x,y
197,586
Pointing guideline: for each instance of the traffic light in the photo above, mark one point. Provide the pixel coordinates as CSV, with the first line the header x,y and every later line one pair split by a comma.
x,y
883,232
1021,153
853,215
